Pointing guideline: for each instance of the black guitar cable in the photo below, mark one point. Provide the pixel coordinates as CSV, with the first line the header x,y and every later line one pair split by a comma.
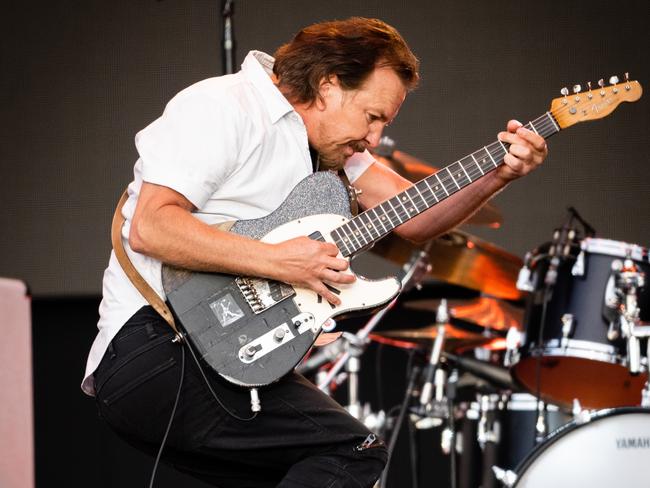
x,y
178,395
171,419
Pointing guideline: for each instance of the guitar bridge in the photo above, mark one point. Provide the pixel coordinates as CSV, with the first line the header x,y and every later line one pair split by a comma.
x,y
261,294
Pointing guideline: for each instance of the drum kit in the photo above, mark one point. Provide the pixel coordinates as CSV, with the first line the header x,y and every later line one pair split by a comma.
x,y
537,377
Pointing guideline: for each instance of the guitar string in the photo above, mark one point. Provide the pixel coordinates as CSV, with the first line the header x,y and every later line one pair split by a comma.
x,y
544,125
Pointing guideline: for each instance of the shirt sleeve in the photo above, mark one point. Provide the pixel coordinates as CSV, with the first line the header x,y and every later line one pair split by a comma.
x,y
193,146
357,164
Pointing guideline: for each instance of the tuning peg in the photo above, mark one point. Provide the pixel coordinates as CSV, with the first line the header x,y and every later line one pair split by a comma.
x,y
627,81
577,88
589,95
613,80
601,84
565,91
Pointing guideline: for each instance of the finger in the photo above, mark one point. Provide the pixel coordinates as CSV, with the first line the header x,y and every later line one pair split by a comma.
x,y
513,125
337,264
516,165
524,152
534,139
332,276
322,290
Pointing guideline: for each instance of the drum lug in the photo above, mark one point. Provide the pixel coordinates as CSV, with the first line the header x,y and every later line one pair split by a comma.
x,y
567,329
513,341
579,266
507,477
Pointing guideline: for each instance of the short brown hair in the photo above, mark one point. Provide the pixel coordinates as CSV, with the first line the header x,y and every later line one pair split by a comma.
x,y
350,49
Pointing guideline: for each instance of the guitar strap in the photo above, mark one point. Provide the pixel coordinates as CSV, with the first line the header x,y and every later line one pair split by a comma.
x,y
139,282
353,193
136,278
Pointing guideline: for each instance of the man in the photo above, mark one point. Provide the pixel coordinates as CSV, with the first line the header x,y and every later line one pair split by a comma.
x,y
232,148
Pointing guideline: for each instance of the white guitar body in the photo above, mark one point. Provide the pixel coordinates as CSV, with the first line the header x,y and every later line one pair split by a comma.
x,y
360,295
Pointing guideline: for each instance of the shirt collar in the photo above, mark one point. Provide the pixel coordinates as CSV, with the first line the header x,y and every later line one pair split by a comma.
x,y
258,67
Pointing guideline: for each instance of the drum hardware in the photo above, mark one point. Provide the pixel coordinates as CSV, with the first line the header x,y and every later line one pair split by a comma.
x,y
348,349
432,408
485,314
572,349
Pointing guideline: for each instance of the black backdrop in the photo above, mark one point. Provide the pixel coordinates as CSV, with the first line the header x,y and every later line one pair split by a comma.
x,y
79,79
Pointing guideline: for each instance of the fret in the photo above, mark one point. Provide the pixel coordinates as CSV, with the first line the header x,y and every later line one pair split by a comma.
x,y
478,165
364,217
464,170
359,232
346,239
379,218
385,217
505,149
533,127
462,179
452,177
395,212
426,180
557,129
401,198
413,194
483,160
488,153
351,235
339,241
411,208
426,204
443,186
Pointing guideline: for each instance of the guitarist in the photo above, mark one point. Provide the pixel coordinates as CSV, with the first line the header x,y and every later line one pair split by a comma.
x,y
231,148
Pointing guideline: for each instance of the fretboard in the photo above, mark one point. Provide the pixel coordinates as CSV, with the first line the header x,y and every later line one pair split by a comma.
x,y
373,224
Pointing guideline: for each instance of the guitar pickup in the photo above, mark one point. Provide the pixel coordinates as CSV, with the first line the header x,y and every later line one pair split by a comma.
x,y
274,338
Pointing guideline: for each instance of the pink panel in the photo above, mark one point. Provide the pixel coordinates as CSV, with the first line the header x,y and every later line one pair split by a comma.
x,y
16,410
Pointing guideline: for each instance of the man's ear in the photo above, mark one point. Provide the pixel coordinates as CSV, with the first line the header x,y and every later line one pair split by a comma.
x,y
326,88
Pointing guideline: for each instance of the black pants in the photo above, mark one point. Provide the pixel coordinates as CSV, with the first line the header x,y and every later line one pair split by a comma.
x,y
301,437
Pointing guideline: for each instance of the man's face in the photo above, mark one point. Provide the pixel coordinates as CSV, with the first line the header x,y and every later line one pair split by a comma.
x,y
350,121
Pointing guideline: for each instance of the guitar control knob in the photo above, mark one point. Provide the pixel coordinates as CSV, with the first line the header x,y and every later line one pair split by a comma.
x,y
279,334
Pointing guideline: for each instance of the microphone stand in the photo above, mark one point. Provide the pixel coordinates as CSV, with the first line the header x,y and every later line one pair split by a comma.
x,y
227,41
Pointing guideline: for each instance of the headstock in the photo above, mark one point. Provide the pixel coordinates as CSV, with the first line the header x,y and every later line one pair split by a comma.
x,y
595,103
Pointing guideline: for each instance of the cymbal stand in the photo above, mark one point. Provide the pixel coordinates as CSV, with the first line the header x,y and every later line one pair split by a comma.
x,y
355,345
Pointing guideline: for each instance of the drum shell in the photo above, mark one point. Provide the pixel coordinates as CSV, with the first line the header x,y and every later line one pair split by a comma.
x,y
612,448
583,364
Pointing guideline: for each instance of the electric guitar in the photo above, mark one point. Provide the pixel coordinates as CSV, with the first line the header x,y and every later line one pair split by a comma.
x,y
252,331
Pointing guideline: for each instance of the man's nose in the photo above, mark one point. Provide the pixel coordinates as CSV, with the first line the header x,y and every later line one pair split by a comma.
x,y
374,135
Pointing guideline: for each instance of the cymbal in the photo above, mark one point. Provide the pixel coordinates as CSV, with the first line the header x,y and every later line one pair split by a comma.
x,y
485,312
414,170
455,338
461,259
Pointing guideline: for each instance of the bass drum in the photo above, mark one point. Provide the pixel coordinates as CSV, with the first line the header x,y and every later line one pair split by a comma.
x,y
576,359
611,448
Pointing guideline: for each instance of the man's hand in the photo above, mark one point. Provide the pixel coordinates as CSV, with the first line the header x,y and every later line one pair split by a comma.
x,y
527,151
311,264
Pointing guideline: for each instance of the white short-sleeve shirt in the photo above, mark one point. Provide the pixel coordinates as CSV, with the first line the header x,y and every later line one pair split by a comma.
x,y
235,148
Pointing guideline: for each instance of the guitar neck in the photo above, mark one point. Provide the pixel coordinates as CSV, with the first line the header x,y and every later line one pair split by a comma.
x,y
373,224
